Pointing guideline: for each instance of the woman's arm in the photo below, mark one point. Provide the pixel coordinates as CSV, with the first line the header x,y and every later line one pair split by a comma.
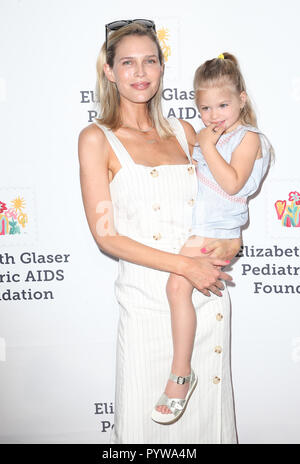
x,y
231,177
93,151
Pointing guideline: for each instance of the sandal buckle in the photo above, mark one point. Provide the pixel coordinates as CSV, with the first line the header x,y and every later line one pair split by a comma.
x,y
180,380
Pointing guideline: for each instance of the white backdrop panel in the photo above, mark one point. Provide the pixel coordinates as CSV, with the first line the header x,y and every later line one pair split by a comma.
x,y
57,349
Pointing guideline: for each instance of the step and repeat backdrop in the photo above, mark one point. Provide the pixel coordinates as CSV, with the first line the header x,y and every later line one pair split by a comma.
x,y
58,313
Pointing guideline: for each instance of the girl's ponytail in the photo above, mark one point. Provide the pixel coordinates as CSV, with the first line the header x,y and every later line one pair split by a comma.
x,y
225,68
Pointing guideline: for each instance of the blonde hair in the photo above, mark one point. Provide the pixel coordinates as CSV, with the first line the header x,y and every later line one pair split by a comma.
x,y
227,70
107,92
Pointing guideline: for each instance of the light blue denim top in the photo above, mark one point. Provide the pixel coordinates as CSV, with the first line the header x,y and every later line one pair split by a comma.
x,y
215,213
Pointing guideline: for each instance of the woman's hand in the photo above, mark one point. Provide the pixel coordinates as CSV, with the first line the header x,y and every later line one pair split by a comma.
x,y
223,248
204,273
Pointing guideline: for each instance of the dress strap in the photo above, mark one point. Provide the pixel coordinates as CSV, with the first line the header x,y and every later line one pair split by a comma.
x,y
117,146
180,135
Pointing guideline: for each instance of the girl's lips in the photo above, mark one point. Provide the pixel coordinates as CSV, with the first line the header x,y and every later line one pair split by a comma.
x,y
219,123
140,85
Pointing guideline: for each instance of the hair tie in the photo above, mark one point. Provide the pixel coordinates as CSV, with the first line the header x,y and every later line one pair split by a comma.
x,y
221,57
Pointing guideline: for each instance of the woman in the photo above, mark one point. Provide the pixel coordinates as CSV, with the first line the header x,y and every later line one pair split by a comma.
x,y
138,185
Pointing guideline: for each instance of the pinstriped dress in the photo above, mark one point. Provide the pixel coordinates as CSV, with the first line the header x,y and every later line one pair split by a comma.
x,y
153,205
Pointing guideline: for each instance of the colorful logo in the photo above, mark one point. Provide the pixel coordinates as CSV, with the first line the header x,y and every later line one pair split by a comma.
x,y
12,219
163,37
289,213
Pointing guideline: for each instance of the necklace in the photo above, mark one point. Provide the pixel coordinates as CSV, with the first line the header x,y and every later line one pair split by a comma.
x,y
135,128
144,131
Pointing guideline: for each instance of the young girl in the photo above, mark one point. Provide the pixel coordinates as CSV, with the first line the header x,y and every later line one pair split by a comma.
x,y
233,156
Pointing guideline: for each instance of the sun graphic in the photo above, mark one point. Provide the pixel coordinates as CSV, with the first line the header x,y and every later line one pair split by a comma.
x,y
18,203
163,37
163,34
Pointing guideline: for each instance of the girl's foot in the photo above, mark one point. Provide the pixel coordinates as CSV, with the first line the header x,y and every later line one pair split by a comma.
x,y
177,405
175,390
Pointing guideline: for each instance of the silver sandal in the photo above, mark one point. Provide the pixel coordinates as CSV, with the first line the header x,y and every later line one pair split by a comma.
x,y
176,405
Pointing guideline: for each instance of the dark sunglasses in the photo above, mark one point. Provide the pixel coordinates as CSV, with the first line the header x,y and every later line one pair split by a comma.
x,y
114,26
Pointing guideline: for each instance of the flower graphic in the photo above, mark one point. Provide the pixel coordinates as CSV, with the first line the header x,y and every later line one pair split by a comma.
x,y
289,214
12,218
2,207
295,196
11,213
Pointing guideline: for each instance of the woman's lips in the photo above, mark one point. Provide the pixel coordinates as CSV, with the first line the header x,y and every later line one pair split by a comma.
x,y
140,85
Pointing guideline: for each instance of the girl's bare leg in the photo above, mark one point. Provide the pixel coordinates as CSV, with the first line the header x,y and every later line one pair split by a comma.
x,y
184,323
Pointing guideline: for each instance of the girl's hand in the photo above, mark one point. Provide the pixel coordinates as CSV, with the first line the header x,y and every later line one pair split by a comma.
x,y
210,135
223,248
205,273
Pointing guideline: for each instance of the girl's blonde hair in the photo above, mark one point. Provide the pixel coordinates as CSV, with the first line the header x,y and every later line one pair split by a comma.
x,y
107,92
225,71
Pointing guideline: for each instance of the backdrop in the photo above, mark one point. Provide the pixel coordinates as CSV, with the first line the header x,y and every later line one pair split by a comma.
x,y
58,313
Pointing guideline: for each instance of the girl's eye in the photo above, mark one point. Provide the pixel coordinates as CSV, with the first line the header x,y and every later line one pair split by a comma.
x,y
224,105
204,108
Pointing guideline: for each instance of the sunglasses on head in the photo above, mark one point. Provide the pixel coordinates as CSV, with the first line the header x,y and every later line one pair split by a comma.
x,y
115,25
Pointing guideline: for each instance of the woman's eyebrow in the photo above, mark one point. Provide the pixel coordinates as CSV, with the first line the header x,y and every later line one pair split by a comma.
x,y
132,57
126,58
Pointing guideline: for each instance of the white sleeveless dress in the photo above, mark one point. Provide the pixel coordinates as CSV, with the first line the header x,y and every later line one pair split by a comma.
x,y
153,205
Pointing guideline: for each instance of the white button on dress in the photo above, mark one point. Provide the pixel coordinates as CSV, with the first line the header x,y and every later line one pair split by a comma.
x,y
218,349
157,236
144,341
154,173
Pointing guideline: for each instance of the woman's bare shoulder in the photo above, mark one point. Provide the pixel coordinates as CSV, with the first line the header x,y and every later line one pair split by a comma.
x,y
92,140
91,133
